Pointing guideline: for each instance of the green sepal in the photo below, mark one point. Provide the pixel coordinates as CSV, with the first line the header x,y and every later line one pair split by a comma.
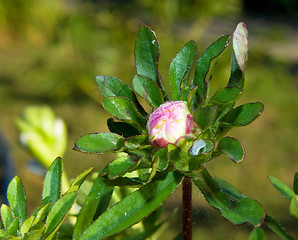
x,y
123,109
281,187
52,182
180,67
125,129
148,90
17,198
243,114
122,165
232,147
133,207
99,143
57,214
236,211
205,66
95,204
7,216
113,87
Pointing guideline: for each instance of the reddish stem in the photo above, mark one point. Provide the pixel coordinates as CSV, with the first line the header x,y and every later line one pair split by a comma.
x,y
187,208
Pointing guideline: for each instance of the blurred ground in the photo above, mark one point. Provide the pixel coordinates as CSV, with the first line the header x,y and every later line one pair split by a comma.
x,y
49,54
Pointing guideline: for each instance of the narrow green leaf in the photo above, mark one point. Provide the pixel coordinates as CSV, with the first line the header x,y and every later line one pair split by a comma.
x,y
148,89
205,66
232,147
294,206
180,66
133,207
121,165
17,198
257,234
26,225
123,109
7,216
52,183
295,183
205,116
96,203
34,234
243,114
147,53
239,211
41,214
58,214
277,228
99,143
124,129
14,227
281,187
114,87
77,182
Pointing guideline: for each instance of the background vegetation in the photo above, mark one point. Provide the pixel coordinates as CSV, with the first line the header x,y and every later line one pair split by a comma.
x,y
50,52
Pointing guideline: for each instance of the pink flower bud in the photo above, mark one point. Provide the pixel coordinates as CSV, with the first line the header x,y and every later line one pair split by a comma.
x,y
169,122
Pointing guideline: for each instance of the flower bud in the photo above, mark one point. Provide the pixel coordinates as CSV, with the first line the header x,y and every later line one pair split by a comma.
x,y
169,122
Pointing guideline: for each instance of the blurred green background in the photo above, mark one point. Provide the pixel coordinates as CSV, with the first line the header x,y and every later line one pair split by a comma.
x,y
51,50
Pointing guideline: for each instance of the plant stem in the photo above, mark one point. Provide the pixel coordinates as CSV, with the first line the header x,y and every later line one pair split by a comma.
x,y
187,208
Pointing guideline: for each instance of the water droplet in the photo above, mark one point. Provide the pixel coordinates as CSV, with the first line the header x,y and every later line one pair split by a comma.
x,y
197,147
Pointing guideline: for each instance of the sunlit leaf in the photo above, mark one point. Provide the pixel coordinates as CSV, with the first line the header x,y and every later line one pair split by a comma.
x,y
121,165
52,182
7,216
294,206
133,207
257,234
180,67
95,204
14,227
17,199
99,143
77,182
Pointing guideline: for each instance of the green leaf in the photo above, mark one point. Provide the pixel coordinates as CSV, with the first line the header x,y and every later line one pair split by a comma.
x,y
180,67
26,225
14,227
295,183
205,116
137,141
147,53
257,234
148,89
114,87
294,206
133,207
52,183
226,187
239,211
41,214
163,159
243,114
34,234
17,198
123,109
122,128
96,203
7,216
77,182
232,147
58,214
3,235
205,66
226,95
99,143
277,228
281,187
121,165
